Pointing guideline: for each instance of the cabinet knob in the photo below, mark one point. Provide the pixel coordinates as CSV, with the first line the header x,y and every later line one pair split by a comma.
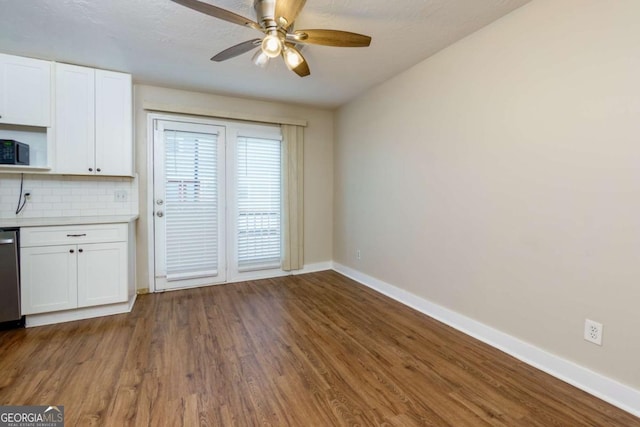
x,y
71,251
90,169
98,170
80,250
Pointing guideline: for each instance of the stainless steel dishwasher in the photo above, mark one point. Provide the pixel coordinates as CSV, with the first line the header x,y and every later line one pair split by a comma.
x,y
10,279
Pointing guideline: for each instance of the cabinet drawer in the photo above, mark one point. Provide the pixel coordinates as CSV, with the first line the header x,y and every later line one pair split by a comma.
x,y
72,234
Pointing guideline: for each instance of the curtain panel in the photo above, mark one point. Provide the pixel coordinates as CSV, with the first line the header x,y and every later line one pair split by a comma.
x,y
293,197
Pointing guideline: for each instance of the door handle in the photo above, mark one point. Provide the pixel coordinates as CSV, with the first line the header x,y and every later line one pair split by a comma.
x,y
6,241
160,214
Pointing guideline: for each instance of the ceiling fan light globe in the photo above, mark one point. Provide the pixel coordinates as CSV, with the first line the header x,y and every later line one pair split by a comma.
x,y
272,46
292,58
260,59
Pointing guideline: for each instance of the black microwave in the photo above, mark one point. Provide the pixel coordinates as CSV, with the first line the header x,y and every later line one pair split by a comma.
x,y
13,152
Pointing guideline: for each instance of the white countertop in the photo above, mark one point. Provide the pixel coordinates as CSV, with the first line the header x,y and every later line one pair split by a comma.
x,y
66,220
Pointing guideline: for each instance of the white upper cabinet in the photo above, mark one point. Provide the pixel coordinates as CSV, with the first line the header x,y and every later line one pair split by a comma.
x,y
93,122
75,123
25,91
114,144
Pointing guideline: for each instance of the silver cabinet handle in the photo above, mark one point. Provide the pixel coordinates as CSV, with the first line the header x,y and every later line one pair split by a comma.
x,y
6,241
159,202
160,214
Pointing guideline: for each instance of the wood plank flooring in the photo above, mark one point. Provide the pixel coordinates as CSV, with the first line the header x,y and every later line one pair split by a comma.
x,y
310,350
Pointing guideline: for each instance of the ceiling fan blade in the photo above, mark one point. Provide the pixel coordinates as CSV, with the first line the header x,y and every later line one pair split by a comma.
x,y
303,69
236,50
289,10
219,13
329,38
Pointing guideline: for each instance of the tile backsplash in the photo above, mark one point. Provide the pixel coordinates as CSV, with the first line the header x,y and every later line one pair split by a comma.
x,y
59,196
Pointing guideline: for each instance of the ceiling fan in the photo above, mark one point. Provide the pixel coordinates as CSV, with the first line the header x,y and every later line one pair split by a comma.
x,y
275,18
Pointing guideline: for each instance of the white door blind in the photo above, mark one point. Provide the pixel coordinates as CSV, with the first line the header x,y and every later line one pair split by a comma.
x,y
258,203
191,201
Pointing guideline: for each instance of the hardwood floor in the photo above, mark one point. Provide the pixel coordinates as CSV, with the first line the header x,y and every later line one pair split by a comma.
x,y
310,350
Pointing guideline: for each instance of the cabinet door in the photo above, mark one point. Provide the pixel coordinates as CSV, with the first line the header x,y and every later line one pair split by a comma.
x,y
48,278
75,122
25,91
102,273
114,139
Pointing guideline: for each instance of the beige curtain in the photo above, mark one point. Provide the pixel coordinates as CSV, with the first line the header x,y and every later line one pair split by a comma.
x,y
293,201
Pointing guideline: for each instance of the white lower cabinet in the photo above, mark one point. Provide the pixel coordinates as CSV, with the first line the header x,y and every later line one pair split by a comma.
x,y
87,271
48,278
102,274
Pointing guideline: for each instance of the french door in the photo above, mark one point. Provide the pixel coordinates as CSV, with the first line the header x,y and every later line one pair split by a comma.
x,y
189,194
217,202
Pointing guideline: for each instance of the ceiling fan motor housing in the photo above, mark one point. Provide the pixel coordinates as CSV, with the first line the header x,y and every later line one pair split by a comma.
x,y
265,11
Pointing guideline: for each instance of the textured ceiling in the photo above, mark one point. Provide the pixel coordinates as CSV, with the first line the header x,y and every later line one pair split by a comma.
x,y
163,43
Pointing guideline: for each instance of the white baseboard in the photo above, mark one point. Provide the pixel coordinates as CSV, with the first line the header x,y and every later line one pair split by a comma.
x,y
313,268
598,385
132,302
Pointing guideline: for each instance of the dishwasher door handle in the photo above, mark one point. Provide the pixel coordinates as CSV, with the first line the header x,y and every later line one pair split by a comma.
x,y
6,241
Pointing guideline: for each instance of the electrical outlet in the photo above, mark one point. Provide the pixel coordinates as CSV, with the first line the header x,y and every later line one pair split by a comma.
x,y
593,331
120,196
358,255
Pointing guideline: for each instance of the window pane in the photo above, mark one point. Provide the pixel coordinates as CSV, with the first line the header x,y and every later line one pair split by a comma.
x,y
259,203
191,207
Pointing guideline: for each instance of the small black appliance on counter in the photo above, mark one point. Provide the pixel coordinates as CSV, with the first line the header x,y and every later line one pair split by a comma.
x,y
13,152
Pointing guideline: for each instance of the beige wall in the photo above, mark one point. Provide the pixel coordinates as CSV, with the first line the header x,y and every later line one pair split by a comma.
x,y
501,179
318,159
